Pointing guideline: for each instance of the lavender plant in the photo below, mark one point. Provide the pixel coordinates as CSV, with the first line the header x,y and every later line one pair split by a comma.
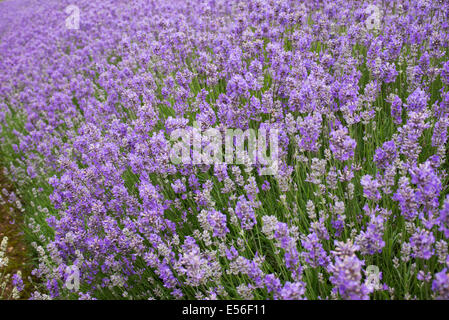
x,y
361,111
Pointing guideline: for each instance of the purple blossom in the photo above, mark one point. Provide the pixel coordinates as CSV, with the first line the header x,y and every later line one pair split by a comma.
x,y
396,110
370,241
386,155
417,101
309,130
245,212
370,187
217,222
440,286
314,253
341,144
422,244
443,219
346,274
292,291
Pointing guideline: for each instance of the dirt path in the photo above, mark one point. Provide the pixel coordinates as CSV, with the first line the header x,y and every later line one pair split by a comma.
x,y
11,227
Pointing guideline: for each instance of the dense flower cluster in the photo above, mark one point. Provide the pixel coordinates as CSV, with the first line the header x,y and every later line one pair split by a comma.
x,y
362,115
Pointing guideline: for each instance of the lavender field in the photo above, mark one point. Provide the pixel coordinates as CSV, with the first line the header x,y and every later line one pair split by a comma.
x,y
226,149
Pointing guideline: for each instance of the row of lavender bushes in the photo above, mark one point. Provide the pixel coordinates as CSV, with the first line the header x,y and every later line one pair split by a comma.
x,y
362,114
